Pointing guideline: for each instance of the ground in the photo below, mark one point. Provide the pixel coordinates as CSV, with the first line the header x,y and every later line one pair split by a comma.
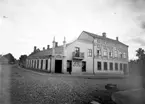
x,y
23,86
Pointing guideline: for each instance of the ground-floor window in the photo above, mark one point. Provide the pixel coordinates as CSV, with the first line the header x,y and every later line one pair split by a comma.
x,y
120,66
99,65
32,63
116,66
37,64
41,64
111,66
105,65
125,68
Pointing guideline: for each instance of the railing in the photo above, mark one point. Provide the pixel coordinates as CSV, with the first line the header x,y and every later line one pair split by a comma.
x,y
78,55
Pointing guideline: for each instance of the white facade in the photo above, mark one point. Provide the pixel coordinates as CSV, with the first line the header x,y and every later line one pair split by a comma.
x,y
88,54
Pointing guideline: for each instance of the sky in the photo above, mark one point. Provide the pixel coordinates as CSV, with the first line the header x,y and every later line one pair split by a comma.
x,y
28,23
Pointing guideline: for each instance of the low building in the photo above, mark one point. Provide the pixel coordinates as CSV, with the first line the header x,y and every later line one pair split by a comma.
x,y
89,53
3,60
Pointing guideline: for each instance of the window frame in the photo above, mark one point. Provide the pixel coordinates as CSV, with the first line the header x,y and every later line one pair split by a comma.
x,y
116,66
105,66
89,52
121,66
105,52
99,65
111,64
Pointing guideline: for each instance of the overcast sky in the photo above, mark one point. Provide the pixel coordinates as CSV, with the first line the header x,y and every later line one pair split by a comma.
x,y
28,23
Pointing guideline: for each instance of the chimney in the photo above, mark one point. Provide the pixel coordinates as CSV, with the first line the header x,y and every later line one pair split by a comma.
x,y
43,48
117,39
104,34
56,44
47,46
35,48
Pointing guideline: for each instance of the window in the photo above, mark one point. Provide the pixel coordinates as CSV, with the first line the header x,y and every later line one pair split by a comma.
x,y
105,65
77,49
115,52
121,66
105,52
99,65
89,53
125,69
37,64
111,66
121,55
110,54
41,64
98,52
125,66
124,55
116,66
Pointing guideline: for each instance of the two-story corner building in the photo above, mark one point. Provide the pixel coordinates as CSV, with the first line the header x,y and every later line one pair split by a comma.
x,y
89,53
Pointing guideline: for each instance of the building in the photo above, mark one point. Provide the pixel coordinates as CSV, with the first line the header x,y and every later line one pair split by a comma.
x,y
89,53
3,60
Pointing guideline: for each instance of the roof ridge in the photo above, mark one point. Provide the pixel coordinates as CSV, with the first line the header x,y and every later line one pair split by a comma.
x,y
96,35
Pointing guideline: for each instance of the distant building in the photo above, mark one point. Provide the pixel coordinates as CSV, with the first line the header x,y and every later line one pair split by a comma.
x,y
3,60
89,53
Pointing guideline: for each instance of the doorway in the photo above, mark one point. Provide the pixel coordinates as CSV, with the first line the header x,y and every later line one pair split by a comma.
x,y
83,66
46,65
69,66
58,66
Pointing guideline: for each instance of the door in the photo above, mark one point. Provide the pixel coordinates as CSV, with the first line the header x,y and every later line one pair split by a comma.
x,y
58,66
46,67
69,66
83,66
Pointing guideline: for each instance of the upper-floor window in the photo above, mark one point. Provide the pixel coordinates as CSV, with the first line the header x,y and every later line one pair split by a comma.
x,y
110,53
98,51
89,52
120,55
77,49
115,52
105,52
124,55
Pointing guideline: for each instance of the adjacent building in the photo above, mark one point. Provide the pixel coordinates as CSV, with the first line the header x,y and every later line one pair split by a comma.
x,y
89,53
3,60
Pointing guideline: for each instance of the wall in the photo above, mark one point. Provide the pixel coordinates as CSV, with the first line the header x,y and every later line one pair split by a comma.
x,y
77,66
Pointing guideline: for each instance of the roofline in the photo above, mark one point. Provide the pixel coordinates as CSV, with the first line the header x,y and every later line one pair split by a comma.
x,y
106,37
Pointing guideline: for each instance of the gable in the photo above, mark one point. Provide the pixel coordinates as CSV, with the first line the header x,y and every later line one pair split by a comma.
x,y
85,36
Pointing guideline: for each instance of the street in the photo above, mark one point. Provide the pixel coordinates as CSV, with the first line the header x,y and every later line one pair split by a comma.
x,y
23,86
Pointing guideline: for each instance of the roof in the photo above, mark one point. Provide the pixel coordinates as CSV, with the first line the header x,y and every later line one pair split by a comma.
x,y
101,37
48,52
3,59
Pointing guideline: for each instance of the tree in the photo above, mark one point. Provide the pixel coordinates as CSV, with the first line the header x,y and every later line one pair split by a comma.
x,y
22,60
140,54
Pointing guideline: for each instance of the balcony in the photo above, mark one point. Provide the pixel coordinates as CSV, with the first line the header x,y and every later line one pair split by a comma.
x,y
78,55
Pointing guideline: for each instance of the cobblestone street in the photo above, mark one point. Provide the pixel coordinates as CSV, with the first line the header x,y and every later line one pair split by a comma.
x,y
28,87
